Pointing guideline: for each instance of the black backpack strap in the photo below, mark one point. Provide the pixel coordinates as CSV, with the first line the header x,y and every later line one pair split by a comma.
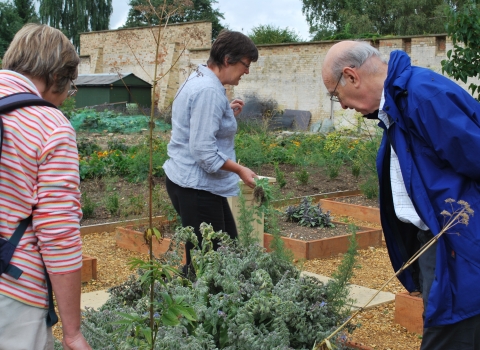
x,y
52,317
22,99
19,100
12,270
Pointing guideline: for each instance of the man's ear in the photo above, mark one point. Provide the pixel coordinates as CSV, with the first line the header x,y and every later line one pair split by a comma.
x,y
351,75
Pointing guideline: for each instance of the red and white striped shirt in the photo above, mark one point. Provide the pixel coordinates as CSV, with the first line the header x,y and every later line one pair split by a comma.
x,y
39,170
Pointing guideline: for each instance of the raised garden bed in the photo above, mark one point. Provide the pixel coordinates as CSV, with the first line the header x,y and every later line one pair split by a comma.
x,y
89,268
327,247
131,237
408,312
340,206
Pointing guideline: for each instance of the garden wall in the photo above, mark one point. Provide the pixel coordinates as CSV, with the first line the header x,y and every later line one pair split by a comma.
x,y
287,73
121,50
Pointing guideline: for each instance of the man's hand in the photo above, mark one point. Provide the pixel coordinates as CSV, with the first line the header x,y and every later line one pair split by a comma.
x,y
237,106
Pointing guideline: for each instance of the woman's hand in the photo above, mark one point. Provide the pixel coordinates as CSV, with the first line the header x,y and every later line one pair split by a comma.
x,y
237,106
248,176
243,172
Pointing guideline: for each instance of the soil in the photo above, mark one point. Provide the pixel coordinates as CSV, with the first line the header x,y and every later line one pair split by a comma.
x,y
293,230
376,327
359,200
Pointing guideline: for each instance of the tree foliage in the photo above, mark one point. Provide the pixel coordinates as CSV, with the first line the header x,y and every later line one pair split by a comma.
x,y
194,10
76,16
10,23
463,27
269,34
26,10
329,19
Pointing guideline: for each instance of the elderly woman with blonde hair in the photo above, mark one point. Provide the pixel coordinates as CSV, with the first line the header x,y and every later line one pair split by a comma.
x,y
39,178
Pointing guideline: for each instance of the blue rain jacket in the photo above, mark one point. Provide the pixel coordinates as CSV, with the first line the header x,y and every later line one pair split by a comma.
x,y
436,135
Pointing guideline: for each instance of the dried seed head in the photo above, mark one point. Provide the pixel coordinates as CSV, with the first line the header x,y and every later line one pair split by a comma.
x,y
464,218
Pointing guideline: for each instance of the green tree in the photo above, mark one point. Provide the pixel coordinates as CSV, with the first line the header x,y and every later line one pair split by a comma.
x,y
10,23
76,16
343,19
194,10
269,34
463,27
26,10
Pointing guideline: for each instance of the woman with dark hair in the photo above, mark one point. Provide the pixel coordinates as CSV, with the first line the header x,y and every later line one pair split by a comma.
x,y
39,178
202,171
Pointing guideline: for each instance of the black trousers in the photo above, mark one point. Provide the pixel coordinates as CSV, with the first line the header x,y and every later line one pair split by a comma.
x,y
197,206
464,335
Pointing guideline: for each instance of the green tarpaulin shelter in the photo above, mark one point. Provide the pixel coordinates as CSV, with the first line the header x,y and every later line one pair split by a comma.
x,y
111,88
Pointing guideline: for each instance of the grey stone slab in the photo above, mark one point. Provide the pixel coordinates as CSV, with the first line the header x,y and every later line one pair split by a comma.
x,y
360,295
94,299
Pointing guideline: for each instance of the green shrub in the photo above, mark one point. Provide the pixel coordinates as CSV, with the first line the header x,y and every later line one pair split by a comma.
x,y
302,176
280,176
136,205
356,170
88,206
87,147
112,203
243,298
370,187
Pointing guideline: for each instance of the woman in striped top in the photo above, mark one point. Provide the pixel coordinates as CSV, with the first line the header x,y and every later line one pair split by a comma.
x,y
39,177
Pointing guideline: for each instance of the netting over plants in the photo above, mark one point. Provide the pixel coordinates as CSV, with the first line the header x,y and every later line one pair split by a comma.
x,y
92,121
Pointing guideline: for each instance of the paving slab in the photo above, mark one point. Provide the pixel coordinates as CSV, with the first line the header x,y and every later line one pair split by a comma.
x,y
360,295
94,299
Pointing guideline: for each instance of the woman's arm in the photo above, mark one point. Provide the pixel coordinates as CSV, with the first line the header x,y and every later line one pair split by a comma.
x,y
67,288
245,173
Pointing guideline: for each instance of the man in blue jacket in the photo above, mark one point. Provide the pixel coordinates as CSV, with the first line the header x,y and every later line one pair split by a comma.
x,y
430,152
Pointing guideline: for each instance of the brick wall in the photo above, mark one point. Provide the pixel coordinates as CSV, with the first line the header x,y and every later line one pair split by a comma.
x,y
287,73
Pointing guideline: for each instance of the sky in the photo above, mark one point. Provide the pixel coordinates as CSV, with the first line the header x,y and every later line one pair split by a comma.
x,y
242,15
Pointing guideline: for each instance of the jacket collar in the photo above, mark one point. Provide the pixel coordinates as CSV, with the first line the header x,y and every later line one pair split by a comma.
x,y
399,72
398,75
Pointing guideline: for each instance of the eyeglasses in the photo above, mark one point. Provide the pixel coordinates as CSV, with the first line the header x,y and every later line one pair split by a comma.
x,y
246,65
333,97
73,91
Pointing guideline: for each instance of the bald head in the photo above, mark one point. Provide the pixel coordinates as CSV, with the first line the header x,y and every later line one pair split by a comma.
x,y
332,55
354,73
350,54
